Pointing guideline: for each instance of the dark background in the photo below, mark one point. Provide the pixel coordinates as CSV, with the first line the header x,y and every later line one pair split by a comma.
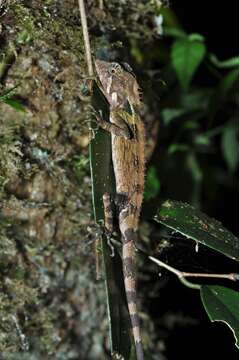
x,y
217,21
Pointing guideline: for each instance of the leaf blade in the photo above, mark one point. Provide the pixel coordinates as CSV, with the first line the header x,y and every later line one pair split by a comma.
x,y
196,225
16,105
230,147
186,56
221,304
224,64
103,181
152,184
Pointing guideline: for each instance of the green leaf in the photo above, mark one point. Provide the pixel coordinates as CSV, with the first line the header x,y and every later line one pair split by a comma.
x,y
172,114
202,139
229,63
196,37
170,19
196,100
173,148
194,224
186,56
103,181
222,304
8,93
228,81
194,167
191,124
152,185
23,37
174,32
230,147
15,105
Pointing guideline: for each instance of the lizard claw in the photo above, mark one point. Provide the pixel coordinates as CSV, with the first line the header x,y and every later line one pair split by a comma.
x,y
94,112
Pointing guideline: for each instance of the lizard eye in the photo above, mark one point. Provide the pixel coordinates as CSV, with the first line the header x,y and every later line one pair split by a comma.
x,y
115,68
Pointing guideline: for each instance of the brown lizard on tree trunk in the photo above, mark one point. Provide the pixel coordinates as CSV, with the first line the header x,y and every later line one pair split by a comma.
x,y
128,142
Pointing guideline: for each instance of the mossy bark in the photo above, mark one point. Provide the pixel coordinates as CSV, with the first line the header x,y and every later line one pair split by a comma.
x,y
51,306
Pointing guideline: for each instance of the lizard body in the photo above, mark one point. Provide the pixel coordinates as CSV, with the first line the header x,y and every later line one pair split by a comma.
x,y
128,142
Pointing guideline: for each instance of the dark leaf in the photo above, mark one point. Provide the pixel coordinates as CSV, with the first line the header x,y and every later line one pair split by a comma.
x,y
230,147
194,224
103,181
222,304
152,185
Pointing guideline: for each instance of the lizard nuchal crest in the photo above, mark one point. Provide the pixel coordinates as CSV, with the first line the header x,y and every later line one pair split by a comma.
x,y
128,142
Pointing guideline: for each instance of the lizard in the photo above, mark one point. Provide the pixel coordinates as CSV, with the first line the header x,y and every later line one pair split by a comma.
x,y
123,94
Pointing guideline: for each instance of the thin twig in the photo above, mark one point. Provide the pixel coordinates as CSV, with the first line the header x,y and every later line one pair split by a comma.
x,y
230,276
182,274
86,37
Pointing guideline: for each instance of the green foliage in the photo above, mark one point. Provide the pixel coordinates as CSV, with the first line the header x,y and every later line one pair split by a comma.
x,y
7,94
193,103
152,185
175,147
171,114
197,118
221,304
81,166
15,105
230,146
103,182
193,224
26,24
6,97
187,54
226,64
228,81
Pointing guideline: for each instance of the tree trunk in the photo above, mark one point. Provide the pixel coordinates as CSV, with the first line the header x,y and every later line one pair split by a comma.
x,y
51,306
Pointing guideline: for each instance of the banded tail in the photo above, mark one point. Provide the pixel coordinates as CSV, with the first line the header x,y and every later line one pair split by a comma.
x,y
129,235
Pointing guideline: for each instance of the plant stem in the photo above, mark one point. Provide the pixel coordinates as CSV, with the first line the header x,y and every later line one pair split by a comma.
x,y
86,37
182,274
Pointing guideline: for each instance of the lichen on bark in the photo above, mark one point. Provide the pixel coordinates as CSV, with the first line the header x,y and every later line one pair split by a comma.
x,y
50,304
48,286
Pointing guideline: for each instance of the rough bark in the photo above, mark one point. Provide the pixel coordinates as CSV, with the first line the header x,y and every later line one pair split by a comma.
x,y
50,304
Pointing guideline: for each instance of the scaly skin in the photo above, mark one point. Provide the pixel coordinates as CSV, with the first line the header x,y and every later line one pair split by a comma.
x,y
128,142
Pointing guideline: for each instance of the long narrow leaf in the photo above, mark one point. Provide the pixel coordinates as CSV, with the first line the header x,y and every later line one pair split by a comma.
x,y
103,181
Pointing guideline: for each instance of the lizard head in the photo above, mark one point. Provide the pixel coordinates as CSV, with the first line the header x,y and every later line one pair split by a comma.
x,y
117,84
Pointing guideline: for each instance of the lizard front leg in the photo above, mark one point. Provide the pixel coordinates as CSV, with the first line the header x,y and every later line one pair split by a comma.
x,y
117,126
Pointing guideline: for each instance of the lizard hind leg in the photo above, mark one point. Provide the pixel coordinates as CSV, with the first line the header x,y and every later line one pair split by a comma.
x,y
109,220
